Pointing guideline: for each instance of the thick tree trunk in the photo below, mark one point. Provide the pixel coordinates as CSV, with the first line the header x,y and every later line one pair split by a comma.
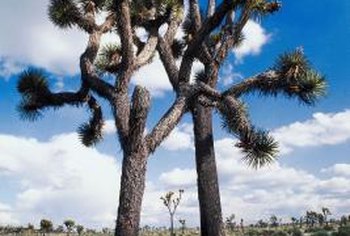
x,y
208,187
131,192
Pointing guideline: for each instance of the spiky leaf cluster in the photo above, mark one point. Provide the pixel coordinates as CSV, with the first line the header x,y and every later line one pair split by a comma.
x,y
259,147
177,48
33,86
297,78
64,13
90,133
262,8
98,4
147,13
109,59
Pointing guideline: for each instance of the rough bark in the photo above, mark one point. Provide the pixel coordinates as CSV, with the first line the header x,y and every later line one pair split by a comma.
x,y
132,187
207,181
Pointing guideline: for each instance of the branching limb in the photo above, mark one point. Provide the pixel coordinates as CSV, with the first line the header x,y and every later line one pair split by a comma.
x,y
91,132
167,123
148,50
291,76
141,102
258,146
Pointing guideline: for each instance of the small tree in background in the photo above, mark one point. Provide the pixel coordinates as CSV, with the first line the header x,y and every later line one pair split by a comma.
x,y
80,229
69,225
46,226
183,225
172,201
273,221
326,212
230,222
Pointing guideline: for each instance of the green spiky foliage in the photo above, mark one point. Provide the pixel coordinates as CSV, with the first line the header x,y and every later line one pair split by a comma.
x,y
258,147
154,12
291,76
109,58
177,48
99,4
64,13
33,85
201,76
261,8
297,78
90,133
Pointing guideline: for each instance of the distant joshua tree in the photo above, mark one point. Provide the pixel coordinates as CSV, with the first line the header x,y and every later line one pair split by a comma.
x,y
69,225
183,225
171,201
326,212
80,229
274,221
46,226
230,222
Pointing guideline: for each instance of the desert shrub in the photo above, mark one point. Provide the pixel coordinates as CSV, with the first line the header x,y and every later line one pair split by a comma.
x,y
252,232
328,228
342,231
320,233
313,230
296,232
279,233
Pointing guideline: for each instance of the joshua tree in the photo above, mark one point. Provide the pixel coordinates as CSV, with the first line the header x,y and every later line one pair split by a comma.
x,y
207,39
69,225
171,201
183,225
326,212
46,226
230,222
291,76
80,229
273,221
121,60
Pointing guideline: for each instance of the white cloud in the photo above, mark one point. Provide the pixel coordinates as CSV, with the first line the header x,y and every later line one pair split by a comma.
x,y
59,179
33,40
180,138
109,127
338,170
154,77
255,37
322,129
255,194
179,178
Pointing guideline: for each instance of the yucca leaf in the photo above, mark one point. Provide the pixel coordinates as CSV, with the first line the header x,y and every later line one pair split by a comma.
x,y
32,81
259,148
63,13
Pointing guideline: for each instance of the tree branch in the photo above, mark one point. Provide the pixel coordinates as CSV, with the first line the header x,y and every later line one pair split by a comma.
x,y
167,123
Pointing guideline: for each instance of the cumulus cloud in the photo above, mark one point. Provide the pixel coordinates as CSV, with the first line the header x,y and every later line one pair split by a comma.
x,y
322,129
255,194
340,169
33,40
59,179
181,138
255,37
179,178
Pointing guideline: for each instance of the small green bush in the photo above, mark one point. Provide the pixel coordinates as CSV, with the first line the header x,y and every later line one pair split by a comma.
x,y
342,231
320,233
328,228
296,232
280,233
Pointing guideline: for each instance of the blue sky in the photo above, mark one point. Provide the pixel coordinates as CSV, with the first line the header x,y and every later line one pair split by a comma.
x,y
46,172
